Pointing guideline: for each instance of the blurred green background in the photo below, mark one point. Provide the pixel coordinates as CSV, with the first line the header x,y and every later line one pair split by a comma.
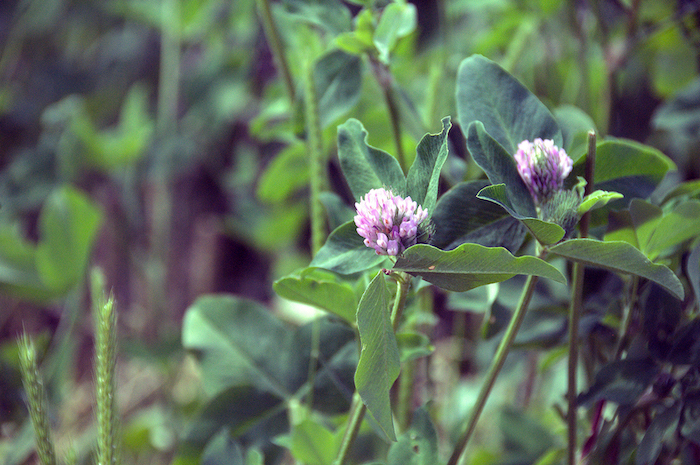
x,y
157,140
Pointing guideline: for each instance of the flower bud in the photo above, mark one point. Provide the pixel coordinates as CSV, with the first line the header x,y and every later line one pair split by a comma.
x,y
543,167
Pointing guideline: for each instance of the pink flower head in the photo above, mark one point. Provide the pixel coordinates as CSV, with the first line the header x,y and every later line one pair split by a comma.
x,y
388,222
543,166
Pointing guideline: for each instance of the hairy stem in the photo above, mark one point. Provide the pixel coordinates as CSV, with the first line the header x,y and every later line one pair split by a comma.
x,y
105,319
36,400
495,368
315,144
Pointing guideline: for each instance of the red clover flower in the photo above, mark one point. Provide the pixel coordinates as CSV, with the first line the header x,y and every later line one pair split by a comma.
x,y
543,167
388,222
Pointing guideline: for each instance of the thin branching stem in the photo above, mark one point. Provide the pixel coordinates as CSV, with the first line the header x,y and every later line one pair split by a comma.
x,y
495,368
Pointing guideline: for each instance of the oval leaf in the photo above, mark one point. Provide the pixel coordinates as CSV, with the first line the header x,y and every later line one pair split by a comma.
x,y
509,111
345,252
338,81
379,363
620,257
326,294
366,167
471,265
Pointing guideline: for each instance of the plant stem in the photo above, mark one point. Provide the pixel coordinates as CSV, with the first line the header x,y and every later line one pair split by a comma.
x,y
575,311
36,400
315,144
275,42
358,408
385,80
498,361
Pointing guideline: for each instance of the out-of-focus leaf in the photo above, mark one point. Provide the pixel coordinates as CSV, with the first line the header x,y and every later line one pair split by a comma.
x,y
286,173
657,230
68,224
418,445
360,40
379,363
222,449
661,427
321,291
424,175
413,345
330,15
313,444
685,342
345,252
574,124
693,270
365,167
509,112
620,257
337,210
338,81
461,217
526,437
621,381
398,20
691,419
471,265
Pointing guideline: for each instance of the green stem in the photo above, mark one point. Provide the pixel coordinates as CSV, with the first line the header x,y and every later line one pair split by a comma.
x,y
575,311
495,368
385,80
315,144
358,408
275,42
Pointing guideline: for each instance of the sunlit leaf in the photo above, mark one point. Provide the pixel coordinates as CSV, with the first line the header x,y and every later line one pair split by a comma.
x,y
471,265
620,257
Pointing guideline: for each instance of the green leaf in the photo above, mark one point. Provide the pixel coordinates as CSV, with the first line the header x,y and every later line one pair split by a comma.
x,y
424,175
544,231
338,81
418,445
18,272
630,168
68,224
311,443
461,217
661,428
693,271
657,231
621,381
574,124
321,291
234,340
365,167
471,265
345,252
620,257
398,20
509,112
360,40
413,345
596,200
285,174
379,363
328,15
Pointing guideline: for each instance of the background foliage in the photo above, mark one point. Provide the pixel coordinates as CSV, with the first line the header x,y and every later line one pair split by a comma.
x,y
169,143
